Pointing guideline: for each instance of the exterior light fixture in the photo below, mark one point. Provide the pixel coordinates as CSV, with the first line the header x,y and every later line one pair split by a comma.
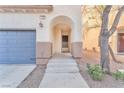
x,y
41,24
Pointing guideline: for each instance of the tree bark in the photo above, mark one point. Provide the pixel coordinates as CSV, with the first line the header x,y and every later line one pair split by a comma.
x,y
104,36
112,54
104,53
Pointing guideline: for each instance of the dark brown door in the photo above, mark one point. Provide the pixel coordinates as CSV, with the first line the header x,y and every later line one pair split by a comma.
x,y
121,42
65,43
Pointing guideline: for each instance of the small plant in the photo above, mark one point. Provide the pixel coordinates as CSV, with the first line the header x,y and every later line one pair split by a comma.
x,y
119,75
95,72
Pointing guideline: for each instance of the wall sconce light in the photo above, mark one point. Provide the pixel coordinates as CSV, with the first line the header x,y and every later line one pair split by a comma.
x,y
41,24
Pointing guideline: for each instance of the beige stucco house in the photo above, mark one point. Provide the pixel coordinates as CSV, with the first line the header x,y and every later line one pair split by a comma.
x,y
32,34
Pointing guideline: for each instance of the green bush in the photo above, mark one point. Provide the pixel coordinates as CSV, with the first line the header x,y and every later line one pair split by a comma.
x,y
95,72
119,75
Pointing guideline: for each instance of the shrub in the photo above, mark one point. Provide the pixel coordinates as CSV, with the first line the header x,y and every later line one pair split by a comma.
x,y
95,72
119,75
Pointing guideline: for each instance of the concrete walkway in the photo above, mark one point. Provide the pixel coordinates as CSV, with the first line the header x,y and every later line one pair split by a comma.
x,y
62,72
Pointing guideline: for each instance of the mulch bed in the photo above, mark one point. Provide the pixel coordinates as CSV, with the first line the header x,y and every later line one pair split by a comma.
x,y
33,80
108,81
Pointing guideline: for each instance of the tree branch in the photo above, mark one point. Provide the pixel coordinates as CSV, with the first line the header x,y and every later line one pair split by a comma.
x,y
116,21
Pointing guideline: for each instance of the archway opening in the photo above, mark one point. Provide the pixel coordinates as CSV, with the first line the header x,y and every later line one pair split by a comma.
x,y
61,34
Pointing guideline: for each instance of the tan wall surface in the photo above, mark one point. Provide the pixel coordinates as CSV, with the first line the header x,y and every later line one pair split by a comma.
x,y
76,49
43,52
90,40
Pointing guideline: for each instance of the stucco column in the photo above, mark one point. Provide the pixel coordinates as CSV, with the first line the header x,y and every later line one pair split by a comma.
x,y
43,45
76,49
76,45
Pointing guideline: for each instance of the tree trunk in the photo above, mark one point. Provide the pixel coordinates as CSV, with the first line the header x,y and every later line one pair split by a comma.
x,y
104,49
105,34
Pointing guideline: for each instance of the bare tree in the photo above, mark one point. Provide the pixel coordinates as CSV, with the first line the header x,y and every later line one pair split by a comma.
x,y
105,35
102,21
100,9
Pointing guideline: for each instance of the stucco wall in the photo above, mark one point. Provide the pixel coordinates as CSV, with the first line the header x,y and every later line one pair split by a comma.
x,y
56,41
71,11
18,21
90,40
31,21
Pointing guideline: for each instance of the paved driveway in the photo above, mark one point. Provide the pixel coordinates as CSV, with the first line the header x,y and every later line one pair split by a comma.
x,y
12,75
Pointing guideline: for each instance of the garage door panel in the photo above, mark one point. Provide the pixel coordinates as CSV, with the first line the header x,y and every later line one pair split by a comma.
x,y
3,45
20,60
26,35
3,60
20,55
24,44
3,50
22,33
19,39
21,50
12,33
3,55
18,47
3,42
12,43
3,33
3,37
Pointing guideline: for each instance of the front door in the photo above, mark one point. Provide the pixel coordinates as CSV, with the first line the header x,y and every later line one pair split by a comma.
x,y
65,47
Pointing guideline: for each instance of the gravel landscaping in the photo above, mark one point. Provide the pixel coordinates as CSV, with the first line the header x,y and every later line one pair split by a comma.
x,y
34,78
108,80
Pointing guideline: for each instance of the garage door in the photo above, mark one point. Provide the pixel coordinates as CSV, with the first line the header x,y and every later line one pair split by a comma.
x,y
17,47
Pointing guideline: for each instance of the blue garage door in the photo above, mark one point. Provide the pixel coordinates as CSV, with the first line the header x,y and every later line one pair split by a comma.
x,y
17,47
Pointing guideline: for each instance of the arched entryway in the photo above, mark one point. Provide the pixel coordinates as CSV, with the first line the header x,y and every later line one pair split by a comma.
x,y
49,39
61,34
